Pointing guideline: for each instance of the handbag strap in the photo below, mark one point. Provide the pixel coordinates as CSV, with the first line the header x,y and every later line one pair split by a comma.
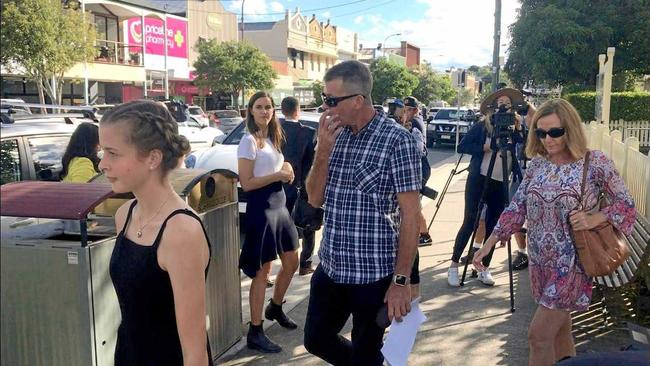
x,y
585,170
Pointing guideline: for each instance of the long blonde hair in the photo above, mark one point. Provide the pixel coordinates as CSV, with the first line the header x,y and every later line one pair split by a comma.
x,y
575,138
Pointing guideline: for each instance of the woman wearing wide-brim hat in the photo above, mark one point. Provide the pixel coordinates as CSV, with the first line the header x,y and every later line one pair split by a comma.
x,y
478,143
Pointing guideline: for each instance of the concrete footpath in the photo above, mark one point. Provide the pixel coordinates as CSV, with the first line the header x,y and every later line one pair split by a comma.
x,y
470,325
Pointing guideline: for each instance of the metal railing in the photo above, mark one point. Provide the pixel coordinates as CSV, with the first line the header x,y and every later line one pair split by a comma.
x,y
118,53
633,165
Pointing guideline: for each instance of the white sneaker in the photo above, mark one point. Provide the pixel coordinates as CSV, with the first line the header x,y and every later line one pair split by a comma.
x,y
486,278
452,277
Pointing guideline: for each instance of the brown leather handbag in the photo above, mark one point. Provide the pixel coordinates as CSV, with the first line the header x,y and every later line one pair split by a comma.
x,y
602,249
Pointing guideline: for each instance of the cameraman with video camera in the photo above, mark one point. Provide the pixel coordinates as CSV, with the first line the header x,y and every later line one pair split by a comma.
x,y
500,114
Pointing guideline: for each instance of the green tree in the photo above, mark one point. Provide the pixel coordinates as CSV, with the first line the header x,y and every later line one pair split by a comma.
x,y
42,40
232,66
558,41
432,86
391,80
317,89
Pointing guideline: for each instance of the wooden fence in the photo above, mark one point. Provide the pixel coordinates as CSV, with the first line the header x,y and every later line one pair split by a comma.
x,y
632,164
638,129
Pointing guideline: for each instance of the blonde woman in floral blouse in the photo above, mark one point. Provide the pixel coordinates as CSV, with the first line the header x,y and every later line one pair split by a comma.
x,y
548,200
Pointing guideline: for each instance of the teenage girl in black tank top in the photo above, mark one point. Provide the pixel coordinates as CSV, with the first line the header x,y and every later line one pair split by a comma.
x,y
161,255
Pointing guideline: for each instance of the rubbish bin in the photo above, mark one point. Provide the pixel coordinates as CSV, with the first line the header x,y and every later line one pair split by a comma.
x,y
58,302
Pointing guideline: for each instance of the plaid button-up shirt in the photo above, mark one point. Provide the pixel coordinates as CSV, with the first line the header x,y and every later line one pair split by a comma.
x,y
366,171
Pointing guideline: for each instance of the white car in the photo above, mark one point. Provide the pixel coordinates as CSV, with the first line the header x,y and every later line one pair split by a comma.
x,y
197,112
224,154
200,137
31,148
442,128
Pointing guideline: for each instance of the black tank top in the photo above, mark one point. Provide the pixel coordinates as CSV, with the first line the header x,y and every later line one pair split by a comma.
x,y
147,334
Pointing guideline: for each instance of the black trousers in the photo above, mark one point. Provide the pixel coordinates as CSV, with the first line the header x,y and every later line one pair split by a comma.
x,y
330,306
495,205
308,242
308,236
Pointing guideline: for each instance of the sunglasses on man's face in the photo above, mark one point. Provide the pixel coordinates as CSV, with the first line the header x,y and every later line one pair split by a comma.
x,y
554,132
334,101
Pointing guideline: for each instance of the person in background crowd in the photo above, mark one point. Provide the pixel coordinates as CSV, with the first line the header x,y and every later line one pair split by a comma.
x,y
80,160
405,115
300,154
414,123
548,200
521,258
478,143
270,231
367,176
162,252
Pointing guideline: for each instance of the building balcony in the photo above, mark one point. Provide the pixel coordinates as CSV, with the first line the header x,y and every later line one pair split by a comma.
x,y
120,53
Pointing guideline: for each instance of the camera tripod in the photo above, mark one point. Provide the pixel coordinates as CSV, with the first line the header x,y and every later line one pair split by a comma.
x,y
499,144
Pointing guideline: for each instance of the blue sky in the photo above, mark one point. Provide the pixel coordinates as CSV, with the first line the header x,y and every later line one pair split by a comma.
x,y
450,33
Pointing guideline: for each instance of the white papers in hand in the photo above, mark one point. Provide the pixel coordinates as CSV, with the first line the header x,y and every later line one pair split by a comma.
x,y
401,336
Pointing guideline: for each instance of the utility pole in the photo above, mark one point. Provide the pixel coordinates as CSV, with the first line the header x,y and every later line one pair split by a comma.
x,y
497,41
241,40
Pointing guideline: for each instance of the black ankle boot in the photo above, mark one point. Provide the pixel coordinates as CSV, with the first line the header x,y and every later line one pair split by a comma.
x,y
274,312
257,340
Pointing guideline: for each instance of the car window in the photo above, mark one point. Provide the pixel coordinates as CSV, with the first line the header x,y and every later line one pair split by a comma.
x,y
227,114
46,154
9,161
195,111
443,114
449,114
235,136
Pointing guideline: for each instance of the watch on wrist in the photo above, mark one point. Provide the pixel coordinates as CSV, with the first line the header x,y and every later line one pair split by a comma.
x,y
401,280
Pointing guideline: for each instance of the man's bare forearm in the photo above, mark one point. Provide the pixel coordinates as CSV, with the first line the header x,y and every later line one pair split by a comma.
x,y
317,179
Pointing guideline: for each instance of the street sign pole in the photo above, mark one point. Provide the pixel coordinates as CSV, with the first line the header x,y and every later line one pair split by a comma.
x,y
497,40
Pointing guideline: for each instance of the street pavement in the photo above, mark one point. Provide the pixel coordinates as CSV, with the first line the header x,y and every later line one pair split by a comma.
x,y
471,325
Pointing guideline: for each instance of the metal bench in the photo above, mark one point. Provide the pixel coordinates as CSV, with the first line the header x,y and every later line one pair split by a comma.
x,y
613,286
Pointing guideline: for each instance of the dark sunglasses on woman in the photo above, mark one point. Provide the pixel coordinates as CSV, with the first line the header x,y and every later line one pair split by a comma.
x,y
554,132
334,101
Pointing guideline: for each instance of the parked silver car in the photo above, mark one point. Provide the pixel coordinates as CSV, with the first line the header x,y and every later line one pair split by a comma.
x,y
226,120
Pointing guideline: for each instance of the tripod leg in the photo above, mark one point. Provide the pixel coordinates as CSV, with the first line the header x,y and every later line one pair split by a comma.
x,y
444,190
478,214
471,240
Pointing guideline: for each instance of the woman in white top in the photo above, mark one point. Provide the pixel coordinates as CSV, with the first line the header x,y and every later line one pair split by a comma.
x,y
270,231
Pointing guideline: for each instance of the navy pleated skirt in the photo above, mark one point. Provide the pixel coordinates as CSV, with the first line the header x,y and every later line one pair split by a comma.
x,y
270,230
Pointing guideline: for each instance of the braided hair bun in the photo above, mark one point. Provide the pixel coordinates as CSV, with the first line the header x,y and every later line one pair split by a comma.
x,y
151,127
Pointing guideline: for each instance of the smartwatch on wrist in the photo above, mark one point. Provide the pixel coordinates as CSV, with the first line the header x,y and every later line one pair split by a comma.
x,y
400,280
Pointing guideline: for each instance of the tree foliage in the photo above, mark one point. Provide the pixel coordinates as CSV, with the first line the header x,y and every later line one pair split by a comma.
x,y
317,89
232,66
41,40
558,41
432,86
391,80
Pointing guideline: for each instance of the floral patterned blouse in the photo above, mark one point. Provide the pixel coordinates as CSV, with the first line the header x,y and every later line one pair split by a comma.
x,y
546,196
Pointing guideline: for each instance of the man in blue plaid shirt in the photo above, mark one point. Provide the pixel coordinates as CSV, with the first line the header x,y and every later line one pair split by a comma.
x,y
366,175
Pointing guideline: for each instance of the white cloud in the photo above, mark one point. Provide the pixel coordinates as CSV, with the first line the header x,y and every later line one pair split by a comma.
x,y
276,6
253,9
359,19
458,33
327,14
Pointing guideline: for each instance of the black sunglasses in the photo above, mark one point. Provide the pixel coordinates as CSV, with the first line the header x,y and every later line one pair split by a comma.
x,y
334,101
554,132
